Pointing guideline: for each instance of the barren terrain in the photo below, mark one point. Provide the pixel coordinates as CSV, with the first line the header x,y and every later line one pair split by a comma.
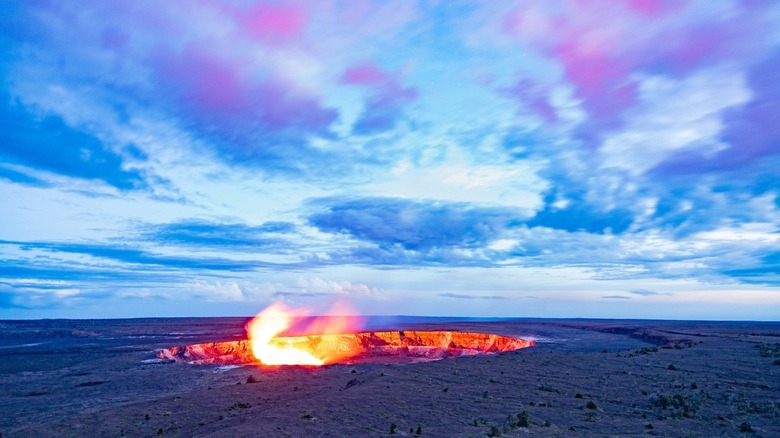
x,y
583,378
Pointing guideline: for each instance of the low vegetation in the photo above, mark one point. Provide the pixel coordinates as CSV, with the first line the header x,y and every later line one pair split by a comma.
x,y
769,350
675,406
512,423
239,405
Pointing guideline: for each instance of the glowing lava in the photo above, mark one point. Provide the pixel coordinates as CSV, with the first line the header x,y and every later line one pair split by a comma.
x,y
277,318
368,347
327,340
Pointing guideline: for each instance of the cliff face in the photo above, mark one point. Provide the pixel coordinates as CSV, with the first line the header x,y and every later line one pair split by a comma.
x,y
378,347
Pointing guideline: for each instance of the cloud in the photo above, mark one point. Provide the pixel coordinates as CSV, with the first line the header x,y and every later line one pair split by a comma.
x,y
135,256
765,271
221,234
277,227
602,45
645,292
343,287
217,150
415,225
21,178
674,117
8,298
35,138
385,104
29,296
367,73
534,96
273,23
232,75
749,137
218,291
269,118
472,297
578,214
653,132
397,232
283,295
250,84
58,270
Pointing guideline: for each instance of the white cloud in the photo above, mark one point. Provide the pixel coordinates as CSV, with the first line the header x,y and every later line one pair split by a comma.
x,y
673,115
504,244
516,185
343,287
217,291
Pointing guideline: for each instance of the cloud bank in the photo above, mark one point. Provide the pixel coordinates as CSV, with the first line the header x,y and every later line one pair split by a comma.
x,y
216,155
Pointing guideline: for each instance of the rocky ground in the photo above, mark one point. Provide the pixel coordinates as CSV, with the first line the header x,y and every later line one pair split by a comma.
x,y
584,378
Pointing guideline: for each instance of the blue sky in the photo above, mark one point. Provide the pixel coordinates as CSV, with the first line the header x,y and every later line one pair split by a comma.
x,y
469,158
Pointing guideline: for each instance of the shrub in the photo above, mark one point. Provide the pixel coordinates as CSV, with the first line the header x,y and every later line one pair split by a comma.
x,y
522,419
681,406
513,422
239,405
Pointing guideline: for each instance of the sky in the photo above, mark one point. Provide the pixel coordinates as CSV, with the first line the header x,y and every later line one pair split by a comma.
x,y
534,158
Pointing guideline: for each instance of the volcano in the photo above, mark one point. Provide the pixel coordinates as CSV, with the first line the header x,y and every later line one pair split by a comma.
x,y
324,340
367,347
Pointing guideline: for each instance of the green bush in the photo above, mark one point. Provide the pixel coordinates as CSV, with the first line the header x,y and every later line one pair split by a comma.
x,y
494,431
522,419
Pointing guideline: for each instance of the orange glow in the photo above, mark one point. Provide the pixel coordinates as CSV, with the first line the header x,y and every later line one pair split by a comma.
x,y
281,335
276,319
404,346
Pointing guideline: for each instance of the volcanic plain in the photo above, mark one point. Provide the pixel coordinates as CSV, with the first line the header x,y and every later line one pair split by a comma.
x,y
605,378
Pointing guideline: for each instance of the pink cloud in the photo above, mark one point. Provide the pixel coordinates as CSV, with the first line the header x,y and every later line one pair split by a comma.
x,y
280,107
218,94
602,45
364,74
385,105
203,81
533,96
753,131
384,108
273,22
654,8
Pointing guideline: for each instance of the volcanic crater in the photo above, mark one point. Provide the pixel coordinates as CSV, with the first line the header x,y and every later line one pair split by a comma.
x,y
367,347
